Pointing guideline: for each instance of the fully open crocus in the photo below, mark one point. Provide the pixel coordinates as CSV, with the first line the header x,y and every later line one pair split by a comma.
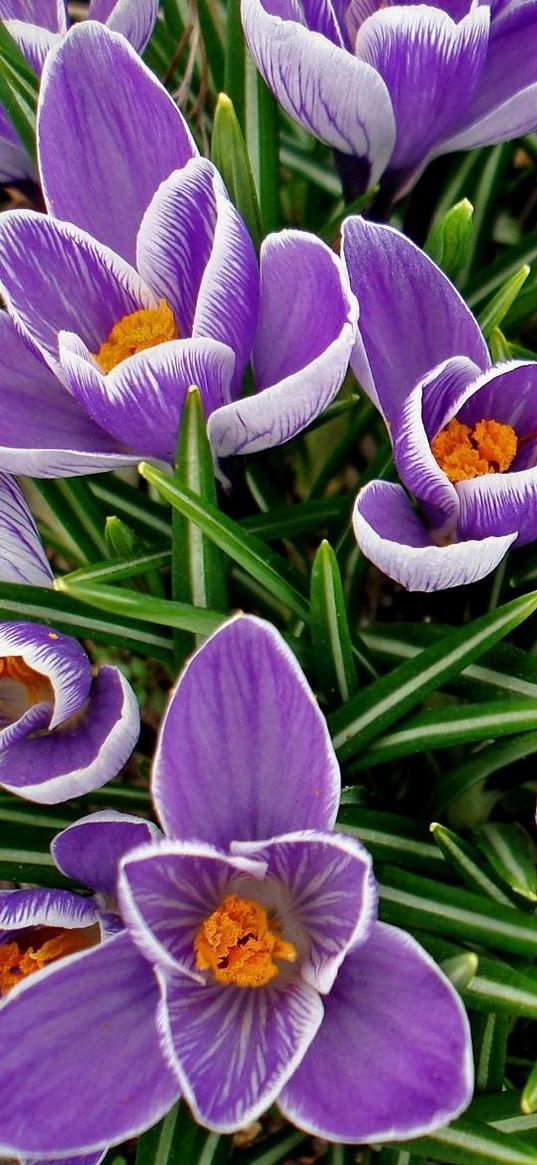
x,y
391,85
151,286
37,26
259,925
464,432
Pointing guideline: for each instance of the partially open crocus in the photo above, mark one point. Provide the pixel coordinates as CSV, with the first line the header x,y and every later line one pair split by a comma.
x,y
464,433
62,731
390,84
143,281
37,26
258,923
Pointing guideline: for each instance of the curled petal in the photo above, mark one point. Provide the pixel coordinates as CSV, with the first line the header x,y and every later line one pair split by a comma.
x,y
49,14
58,658
22,556
91,849
133,20
22,908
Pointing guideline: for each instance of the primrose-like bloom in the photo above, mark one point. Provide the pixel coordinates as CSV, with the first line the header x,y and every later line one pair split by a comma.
x,y
391,85
464,432
143,280
251,940
37,26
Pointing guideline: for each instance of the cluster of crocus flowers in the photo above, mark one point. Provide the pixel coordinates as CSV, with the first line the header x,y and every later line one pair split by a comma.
x,y
464,432
241,959
391,85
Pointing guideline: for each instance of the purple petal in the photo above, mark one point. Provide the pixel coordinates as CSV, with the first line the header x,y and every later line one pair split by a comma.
x,y
15,164
141,401
430,65
61,661
242,708
307,325
55,277
23,908
90,1018
194,250
91,849
331,895
389,532
35,43
508,394
22,556
80,1159
49,14
341,100
505,503
80,755
393,1007
133,19
233,1047
394,353
121,135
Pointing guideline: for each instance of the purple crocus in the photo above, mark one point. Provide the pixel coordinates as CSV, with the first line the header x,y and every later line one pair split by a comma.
x,y
22,556
150,285
37,26
391,85
464,432
251,944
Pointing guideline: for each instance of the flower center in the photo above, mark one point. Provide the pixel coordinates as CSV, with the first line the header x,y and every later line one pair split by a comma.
x,y
37,686
462,452
135,332
237,944
17,960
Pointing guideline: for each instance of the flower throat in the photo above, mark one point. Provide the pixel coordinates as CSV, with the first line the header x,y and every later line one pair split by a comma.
x,y
463,452
236,943
135,332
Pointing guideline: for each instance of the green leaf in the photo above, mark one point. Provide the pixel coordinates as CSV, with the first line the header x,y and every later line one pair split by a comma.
x,y
262,139
466,862
496,986
145,608
150,518
230,156
499,347
467,1143
454,785
510,851
116,569
489,1037
332,647
18,90
273,1150
495,312
461,969
449,240
367,715
392,838
528,1101
77,510
177,1138
269,568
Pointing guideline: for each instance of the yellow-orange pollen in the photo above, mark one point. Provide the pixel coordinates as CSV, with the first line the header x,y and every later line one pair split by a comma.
x,y
37,686
133,333
462,452
237,944
19,961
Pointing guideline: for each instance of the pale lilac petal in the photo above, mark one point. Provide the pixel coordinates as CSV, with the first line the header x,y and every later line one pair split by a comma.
x,y
134,19
22,908
89,1019
320,16
381,263
121,135
55,277
35,43
101,9
392,1008
306,329
508,394
141,400
91,849
80,1159
233,1047
166,892
389,532
243,700
341,100
505,503
49,14
331,896
430,65
61,661
22,555
194,250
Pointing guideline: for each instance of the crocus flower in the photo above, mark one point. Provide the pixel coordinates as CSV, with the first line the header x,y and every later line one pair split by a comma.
x,y
464,432
37,26
22,556
258,924
391,85
151,286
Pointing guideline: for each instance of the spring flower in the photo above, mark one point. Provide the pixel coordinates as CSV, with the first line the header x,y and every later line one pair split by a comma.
x,y
37,26
464,432
391,85
258,924
152,285
22,557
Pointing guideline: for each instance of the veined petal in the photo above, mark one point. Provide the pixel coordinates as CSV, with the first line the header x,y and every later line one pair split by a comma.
x,y
34,42
242,708
390,533
60,659
22,555
391,1007
134,20
505,503
89,1018
339,99
49,14
38,907
233,1048
15,164
91,849
381,261
121,135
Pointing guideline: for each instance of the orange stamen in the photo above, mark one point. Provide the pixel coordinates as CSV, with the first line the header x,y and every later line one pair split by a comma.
x,y
17,961
462,452
136,332
236,943
38,686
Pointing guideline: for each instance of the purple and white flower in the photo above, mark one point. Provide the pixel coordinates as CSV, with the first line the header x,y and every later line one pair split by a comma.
x,y
143,281
22,556
37,26
464,432
251,944
391,85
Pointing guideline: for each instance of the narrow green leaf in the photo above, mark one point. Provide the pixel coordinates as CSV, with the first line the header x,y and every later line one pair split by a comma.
x,y
177,1138
453,785
374,708
294,521
393,838
495,987
495,312
145,608
449,240
234,56
273,1150
18,90
116,569
230,156
74,506
269,568
510,851
332,647
528,1101
466,862
490,1033
150,518
330,231
461,969
499,347
466,1143
121,540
